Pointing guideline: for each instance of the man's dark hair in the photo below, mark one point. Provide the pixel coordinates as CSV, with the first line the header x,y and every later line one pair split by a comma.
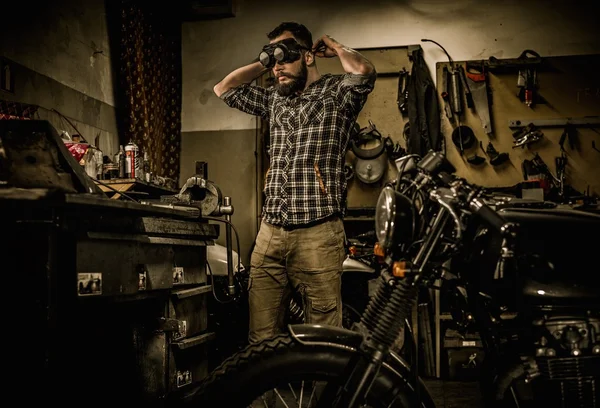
x,y
299,31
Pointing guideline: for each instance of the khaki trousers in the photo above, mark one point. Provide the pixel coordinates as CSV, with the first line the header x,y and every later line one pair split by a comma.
x,y
306,259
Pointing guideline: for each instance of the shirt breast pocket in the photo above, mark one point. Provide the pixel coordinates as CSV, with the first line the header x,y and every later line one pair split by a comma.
x,y
312,113
281,119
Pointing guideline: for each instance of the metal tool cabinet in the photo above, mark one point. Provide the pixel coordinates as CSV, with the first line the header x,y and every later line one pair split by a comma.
x,y
112,296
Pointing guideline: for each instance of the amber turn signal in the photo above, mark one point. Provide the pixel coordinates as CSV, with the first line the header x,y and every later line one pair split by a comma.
x,y
378,250
400,269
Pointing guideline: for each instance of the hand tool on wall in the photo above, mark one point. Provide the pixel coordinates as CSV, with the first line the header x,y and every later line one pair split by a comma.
x,y
506,65
585,121
455,91
476,79
526,136
476,160
527,82
496,158
542,168
445,95
561,166
452,93
569,134
465,86
527,65
463,138
402,99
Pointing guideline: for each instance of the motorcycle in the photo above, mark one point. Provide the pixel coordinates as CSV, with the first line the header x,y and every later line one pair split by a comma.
x,y
494,259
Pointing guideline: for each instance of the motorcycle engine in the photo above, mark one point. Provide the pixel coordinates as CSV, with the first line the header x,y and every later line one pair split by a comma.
x,y
566,366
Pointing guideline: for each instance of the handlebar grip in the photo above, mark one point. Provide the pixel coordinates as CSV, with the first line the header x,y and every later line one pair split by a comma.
x,y
487,214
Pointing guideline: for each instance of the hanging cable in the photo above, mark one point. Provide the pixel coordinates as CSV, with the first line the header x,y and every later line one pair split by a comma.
x,y
443,49
212,278
237,237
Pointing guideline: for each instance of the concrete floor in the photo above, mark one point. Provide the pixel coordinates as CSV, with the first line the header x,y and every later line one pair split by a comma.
x,y
454,394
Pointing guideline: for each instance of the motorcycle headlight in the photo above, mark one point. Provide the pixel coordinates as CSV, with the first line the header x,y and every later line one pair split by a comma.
x,y
394,218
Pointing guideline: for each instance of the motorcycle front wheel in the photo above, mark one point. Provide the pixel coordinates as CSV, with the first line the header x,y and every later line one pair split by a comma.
x,y
281,372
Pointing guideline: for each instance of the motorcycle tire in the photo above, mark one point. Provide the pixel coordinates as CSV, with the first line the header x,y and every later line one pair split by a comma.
x,y
281,360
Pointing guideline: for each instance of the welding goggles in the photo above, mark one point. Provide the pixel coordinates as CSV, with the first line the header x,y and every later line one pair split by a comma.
x,y
284,51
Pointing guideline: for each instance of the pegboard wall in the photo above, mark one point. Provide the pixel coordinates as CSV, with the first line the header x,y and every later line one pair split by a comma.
x,y
567,91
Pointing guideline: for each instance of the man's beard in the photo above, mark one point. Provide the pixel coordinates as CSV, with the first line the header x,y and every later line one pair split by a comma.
x,y
295,84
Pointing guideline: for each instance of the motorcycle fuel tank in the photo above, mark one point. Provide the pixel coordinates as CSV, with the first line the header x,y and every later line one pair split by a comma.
x,y
216,257
558,257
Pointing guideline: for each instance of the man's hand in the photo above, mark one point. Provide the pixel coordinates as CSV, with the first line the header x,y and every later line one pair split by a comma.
x,y
326,47
352,61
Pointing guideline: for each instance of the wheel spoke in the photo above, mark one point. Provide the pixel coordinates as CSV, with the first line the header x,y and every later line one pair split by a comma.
x,y
281,398
312,394
292,390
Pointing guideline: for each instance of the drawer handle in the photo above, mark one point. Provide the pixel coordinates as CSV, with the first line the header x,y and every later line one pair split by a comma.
x,y
185,293
194,341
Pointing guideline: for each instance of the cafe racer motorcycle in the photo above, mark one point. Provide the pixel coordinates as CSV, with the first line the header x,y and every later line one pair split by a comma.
x,y
537,265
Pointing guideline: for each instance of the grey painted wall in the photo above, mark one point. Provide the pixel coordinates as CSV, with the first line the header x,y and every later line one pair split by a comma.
x,y
90,116
66,40
468,29
62,55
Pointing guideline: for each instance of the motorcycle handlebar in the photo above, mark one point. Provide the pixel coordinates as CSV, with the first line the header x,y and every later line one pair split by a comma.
x,y
434,166
486,213
475,204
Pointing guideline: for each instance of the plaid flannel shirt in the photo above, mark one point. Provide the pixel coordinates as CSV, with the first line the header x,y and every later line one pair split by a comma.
x,y
309,135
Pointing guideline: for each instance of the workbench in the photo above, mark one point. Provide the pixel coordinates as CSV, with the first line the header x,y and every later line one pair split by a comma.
x,y
109,297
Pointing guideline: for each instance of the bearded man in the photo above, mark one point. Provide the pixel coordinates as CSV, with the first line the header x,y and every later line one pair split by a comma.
x,y
300,243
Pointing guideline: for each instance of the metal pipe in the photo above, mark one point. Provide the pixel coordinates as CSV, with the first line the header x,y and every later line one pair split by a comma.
x,y
230,276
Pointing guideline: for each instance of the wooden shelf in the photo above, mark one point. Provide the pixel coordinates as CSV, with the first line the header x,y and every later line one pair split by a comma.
x,y
132,185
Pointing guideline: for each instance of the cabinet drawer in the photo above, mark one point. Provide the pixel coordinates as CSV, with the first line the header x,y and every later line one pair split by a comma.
x,y
189,307
113,264
189,267
190,360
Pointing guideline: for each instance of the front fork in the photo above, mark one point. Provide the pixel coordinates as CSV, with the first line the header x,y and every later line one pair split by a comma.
x,y
382,323
364,368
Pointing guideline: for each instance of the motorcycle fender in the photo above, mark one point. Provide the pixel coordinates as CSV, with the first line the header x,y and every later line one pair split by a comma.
x,y
352,265
340,338
216,256
315,335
